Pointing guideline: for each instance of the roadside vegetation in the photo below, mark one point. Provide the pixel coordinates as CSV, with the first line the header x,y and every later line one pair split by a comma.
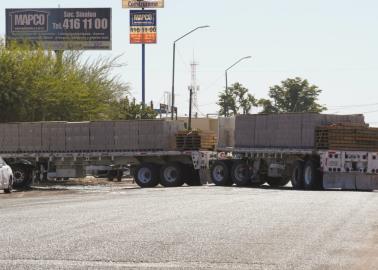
x,y
40,85
292,95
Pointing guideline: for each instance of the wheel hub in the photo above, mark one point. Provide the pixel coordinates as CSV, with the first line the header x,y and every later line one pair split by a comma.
x,y
170,174
19,177
218,173
145,175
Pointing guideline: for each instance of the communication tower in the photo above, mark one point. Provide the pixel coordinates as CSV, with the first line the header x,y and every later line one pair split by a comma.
x,y
195,88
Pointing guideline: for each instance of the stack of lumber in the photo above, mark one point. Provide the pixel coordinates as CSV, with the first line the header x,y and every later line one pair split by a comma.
x,y
347,137
195,140
285,130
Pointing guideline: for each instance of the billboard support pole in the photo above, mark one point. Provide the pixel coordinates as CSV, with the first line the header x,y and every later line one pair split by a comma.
x,y
143,74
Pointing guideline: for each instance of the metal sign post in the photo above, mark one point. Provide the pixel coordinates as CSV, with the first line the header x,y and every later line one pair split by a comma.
x,y
143,31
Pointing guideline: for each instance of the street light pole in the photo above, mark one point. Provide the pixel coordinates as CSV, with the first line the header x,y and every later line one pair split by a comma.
x,y
226,74
174,63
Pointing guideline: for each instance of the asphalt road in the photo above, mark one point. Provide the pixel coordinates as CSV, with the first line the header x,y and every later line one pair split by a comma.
x,y
189,228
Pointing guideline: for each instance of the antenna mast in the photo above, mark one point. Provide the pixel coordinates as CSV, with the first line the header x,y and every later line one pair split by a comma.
x,y
195,88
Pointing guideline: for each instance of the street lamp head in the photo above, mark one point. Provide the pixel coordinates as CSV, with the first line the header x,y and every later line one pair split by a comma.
x,y
237,62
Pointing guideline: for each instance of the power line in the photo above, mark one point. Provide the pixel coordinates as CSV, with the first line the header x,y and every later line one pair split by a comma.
x,y
354,106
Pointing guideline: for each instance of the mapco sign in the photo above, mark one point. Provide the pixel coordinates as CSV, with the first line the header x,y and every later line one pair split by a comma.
x,y
142,3
29,21
143,27
61,28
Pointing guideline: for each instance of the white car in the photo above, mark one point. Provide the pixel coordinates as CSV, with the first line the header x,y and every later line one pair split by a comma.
x,y
6,177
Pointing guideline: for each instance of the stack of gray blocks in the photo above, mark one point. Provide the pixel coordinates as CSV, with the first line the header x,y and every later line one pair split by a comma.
x,y
97,136
286,130
226,128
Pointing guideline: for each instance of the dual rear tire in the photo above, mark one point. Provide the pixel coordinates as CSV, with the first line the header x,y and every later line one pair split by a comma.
x,y
171,175
306,175
226,173
148,175
221,174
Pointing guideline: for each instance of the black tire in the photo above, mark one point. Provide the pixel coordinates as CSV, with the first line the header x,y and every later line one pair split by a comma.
x,y
220,174
10,187
297,175
277,182
146,175
312,176
22,177
241,174
192,177
171,175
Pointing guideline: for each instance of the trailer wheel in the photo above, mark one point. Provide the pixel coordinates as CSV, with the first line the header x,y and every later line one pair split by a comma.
x,y
10,186
171,175
22,177
241,174
297,175
311,175
220,174
277,182
146,175
192,177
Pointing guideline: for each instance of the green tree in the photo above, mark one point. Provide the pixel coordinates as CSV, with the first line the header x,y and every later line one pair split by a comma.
x,y
293,95
35,85
123,109
236,99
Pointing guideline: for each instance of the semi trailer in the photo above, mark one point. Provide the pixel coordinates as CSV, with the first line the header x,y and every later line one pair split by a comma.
x,y
251,150
282,148
63,150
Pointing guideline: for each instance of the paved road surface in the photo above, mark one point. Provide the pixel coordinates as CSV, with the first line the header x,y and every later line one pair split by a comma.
x,y
189,228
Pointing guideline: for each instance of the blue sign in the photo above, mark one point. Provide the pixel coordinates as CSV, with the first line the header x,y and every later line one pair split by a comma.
x,y
61,28
142,18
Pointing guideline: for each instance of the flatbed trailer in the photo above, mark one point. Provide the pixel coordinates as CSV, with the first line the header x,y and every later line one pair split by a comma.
x,y
62,150
149,168
305,168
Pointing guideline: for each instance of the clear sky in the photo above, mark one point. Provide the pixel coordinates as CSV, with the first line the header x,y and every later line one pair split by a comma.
x,y
332,43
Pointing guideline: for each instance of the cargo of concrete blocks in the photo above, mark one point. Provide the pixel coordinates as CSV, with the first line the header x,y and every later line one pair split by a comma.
x,y
312,151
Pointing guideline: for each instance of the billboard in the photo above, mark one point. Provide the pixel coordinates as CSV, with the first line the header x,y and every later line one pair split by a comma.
x,y
61,28
142,3
143,27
